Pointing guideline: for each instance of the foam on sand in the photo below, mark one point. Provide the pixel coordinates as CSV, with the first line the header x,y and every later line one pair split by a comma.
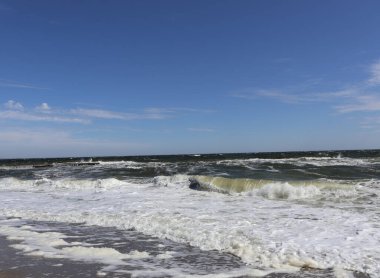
x,y
53,245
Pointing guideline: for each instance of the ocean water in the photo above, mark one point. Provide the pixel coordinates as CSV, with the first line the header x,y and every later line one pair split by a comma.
x,y
307,214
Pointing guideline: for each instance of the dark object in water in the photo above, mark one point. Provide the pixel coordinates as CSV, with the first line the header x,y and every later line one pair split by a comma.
x,y
194,184
83,163
43,166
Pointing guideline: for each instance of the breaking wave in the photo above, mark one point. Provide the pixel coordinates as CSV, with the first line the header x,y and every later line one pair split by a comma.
x,y
71,184
265,188
269,189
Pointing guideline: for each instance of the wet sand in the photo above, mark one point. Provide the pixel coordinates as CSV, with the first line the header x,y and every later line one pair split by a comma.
x,y
15,264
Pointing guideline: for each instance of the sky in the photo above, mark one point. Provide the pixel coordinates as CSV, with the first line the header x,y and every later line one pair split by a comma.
x,y
98,78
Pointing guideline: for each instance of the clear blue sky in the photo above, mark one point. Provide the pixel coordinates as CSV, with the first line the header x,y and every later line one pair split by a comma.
x,y
85,78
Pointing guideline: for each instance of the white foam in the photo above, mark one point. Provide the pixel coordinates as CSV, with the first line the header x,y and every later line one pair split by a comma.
x,y
287,191
46,184
172,181
101,255
52,245
301,161
166,255
122,164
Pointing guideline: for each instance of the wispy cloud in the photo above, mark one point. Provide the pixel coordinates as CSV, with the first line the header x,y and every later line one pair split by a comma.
x,y
45,113
26,116
55,142
101,114
292,97
13,84
375,74
361,97
364,103
15,111
149,113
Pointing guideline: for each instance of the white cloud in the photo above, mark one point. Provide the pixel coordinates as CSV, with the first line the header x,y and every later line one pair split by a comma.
x,y
362,97
155,113
375,74
13,105
288,97
149,113
104,114
44,113
13,84
44,108
24,116
360,103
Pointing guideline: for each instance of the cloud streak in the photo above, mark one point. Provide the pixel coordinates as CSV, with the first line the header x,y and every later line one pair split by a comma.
x,y
375,74
362,97
30,117
149,114
36,143
100,114
365,103
45,113
12,84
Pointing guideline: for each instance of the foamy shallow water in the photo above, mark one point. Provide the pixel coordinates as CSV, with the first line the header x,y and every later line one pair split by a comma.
x,y
271,225
105,251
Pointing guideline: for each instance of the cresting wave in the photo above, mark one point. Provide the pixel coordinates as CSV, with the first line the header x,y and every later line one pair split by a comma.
x,y
265,188
243,185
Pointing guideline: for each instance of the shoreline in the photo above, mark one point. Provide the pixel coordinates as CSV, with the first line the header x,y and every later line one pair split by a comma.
x,y
16,264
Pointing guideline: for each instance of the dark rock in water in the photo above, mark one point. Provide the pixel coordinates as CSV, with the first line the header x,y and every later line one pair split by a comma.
x,y
194,184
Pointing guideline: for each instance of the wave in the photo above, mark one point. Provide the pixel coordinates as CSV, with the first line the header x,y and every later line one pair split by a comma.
x,y
72,184
303,161
122,164
268,188
265,188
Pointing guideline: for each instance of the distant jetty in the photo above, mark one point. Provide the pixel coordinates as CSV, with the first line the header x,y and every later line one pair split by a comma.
x,y
69,163
43,166
82,163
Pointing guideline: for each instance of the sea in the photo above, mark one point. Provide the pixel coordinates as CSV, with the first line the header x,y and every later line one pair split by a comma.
x,y
283,214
